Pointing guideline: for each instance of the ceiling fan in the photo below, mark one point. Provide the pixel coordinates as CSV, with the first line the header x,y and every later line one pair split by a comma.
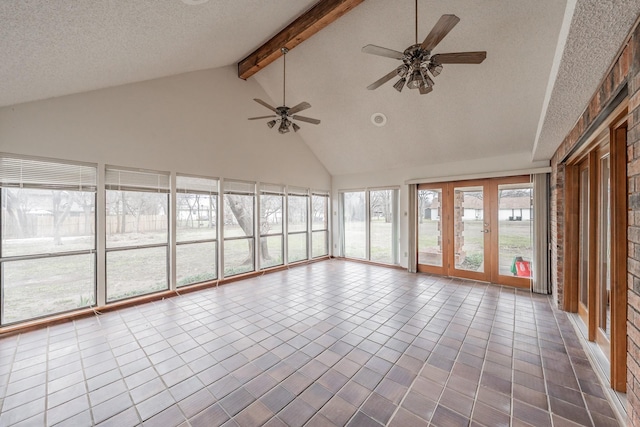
x,y
284,114
417,61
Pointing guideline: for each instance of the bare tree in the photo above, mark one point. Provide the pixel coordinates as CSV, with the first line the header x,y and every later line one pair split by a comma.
x,y
61,206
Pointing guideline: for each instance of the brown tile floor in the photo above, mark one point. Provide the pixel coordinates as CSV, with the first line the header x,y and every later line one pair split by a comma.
x,y
331,343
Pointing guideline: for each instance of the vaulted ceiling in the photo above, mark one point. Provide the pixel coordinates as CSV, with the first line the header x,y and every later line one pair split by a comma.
x,y
544,61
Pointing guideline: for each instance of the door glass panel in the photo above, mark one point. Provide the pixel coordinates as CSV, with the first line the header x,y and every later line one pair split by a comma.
x,y
469,228
430,227
355,216
583,258
514,229
605,248
381,226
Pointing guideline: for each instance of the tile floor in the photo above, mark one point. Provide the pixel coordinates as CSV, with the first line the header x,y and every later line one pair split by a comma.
x,y
327,344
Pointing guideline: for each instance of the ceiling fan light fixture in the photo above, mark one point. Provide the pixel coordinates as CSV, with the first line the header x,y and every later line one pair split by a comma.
x,y
402,70
271,123
284,126
435,69
400,84
296,128
415,80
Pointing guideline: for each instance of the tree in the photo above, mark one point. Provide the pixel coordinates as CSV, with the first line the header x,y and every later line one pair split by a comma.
x,y
61,206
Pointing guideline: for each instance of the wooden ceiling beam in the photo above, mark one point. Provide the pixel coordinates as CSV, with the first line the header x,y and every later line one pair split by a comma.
x,y
306,25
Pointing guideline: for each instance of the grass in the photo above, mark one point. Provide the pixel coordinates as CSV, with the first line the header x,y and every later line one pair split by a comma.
x,y
514,240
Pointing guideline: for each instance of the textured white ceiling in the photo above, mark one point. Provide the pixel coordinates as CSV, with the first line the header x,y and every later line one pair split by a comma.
x,y
57,47
53,48
598,29
475,111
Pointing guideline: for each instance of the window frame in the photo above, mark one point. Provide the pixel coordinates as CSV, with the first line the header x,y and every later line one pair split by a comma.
x,y
34,173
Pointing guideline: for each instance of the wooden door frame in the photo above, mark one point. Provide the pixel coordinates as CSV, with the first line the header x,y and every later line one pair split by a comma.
x,y
491,216
616,127
485,275
619,212
444,234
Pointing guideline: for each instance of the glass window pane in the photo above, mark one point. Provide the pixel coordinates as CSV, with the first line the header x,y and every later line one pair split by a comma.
x,y
271,214
469,228
297,218
583,253
430,227
381,226
238,215
319,208
354,219
319,244
36,221
46,286
515,240
136,218
271,251
297,247
195,217
238,256
136,272
196,262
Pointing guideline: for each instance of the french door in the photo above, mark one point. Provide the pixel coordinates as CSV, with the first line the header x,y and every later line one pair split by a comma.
x,y
477,230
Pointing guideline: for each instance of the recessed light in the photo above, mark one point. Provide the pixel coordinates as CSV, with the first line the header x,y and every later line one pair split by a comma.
x,y
378,119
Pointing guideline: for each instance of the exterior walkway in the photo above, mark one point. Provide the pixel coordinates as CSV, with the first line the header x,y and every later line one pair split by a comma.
x,y
332,343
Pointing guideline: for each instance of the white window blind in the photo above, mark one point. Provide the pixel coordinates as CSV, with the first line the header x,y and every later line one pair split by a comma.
x,y
298,191
136,180
34,173
320,193
239,187
272,189
195,184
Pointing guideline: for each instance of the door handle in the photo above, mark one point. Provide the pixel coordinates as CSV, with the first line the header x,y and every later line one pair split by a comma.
x,y
484,231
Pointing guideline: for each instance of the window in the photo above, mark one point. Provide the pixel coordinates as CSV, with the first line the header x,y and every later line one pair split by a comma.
x,y
239,202
137,230
319,224
370,225
271,231
48,244
382,229
297,220
196,229
354,217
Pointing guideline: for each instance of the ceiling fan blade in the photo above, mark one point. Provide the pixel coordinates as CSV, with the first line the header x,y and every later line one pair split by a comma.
x,y
299,107
439,31
261,117
382,51
459,58
425,89
261,102
383,80
306,119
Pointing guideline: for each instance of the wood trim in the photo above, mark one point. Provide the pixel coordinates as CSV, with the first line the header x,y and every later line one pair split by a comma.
x,y
571,238
619,213
483,276
445,238
303,27
593,244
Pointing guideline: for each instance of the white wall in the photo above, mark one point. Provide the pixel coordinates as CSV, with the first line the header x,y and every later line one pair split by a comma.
x,y
190,123
441,172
